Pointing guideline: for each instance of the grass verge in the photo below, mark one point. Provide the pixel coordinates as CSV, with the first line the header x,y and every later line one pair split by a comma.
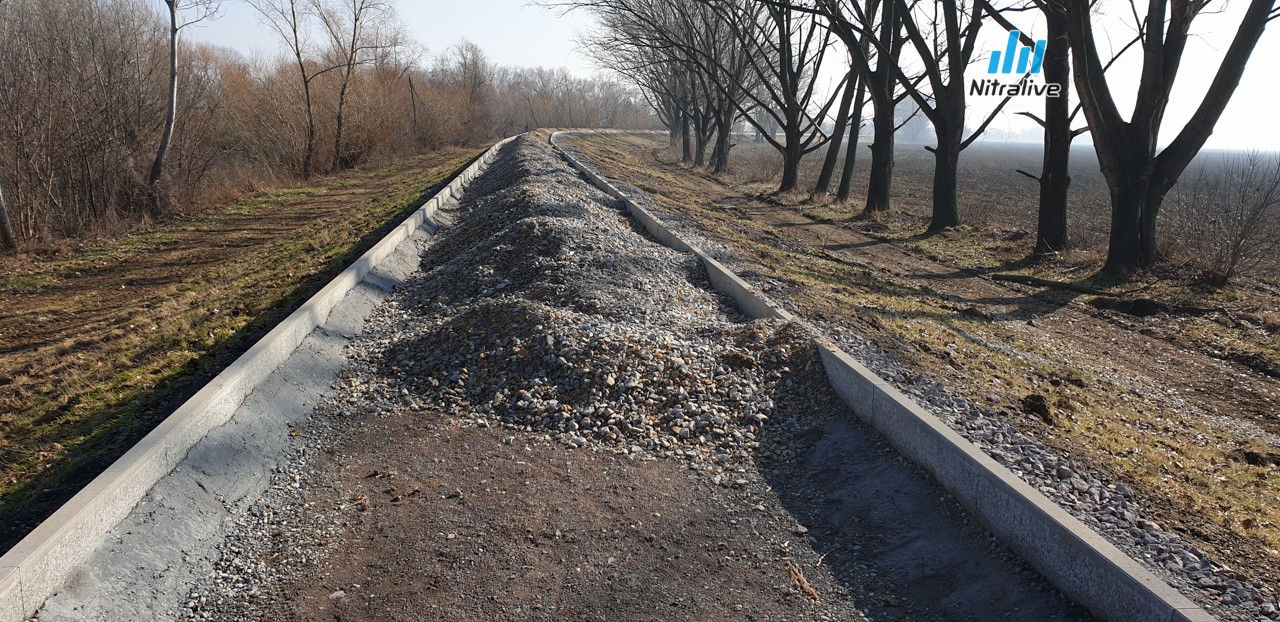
x,y
98,347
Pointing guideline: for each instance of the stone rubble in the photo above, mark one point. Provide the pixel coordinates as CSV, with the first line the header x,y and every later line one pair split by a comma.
x,y
604,340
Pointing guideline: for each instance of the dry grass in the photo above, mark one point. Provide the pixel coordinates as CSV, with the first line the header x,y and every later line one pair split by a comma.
x,y
97,346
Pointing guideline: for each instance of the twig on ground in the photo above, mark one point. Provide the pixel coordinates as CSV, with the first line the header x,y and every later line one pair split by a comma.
x,y
801,582
823,557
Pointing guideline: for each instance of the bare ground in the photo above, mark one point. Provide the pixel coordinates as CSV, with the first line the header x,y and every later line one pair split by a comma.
x,y
435,501
495,525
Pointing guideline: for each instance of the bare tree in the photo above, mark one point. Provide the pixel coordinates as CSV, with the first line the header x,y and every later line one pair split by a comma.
x,y
689,56
289,19
872,34
1054,178
790,47
350,27
84,87
8,241
776,73
1137,176
855,124
1228,216
944,39
468,71
852,85
202,10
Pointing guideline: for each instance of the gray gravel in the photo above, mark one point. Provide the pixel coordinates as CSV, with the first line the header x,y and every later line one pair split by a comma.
x,y
1104,505
541,311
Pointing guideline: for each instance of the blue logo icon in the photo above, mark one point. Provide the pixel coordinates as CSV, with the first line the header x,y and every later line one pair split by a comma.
x,y
1024,55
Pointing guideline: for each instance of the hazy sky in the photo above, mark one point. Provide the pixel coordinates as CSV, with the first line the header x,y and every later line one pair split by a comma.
x,y
510,32
513,33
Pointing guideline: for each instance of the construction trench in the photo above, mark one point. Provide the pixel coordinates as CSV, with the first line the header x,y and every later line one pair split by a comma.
x,y
531,409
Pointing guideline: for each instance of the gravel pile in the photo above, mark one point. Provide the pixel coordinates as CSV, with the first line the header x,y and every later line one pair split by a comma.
x,y
1107,507
606,344
604,340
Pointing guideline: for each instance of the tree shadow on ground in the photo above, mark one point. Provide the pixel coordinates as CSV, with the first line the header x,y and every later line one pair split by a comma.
x,y
900,544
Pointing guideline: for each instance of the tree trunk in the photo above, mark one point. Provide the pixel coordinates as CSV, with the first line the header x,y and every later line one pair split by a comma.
x,y
851,152
1137,177
340,161
880,183
852,84
686,148
1133,224
1051,228
792,153
724,136
413,102
701,137
946,166
170,115
308,155
8,241
677,123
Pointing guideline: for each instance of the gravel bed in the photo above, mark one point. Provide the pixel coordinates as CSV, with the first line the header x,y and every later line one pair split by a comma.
x,y
1106,506
606,346
605,343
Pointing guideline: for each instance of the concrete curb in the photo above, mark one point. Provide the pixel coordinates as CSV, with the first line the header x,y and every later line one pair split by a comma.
x,y
36,568
1075,559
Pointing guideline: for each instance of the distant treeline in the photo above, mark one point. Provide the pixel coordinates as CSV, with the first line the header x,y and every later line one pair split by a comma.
x,y
85,87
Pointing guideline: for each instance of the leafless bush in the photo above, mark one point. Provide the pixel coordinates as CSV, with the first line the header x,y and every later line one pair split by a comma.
x,y
1226,218
83,100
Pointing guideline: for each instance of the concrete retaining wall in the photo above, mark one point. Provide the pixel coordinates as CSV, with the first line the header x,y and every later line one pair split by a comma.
x,y
38,565
1072,557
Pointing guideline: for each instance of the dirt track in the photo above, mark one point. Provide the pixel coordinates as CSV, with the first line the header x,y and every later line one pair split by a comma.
x,y
448,501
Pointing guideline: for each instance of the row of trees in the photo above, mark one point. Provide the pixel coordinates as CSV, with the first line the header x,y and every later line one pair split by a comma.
x,y
108,117
708,65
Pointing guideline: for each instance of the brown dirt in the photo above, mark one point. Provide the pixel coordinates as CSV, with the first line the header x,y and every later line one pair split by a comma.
x,y
1136,398
441,520
485,530
99,344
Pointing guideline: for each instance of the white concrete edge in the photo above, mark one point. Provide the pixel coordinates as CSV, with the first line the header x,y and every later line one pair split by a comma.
x,y
36,567
1070,555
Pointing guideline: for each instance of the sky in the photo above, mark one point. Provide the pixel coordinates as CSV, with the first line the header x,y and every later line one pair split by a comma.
x,y
514,33
510,32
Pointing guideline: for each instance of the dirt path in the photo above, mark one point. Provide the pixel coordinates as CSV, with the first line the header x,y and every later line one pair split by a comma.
x,y
498,526
558,420
1129,395
98,345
